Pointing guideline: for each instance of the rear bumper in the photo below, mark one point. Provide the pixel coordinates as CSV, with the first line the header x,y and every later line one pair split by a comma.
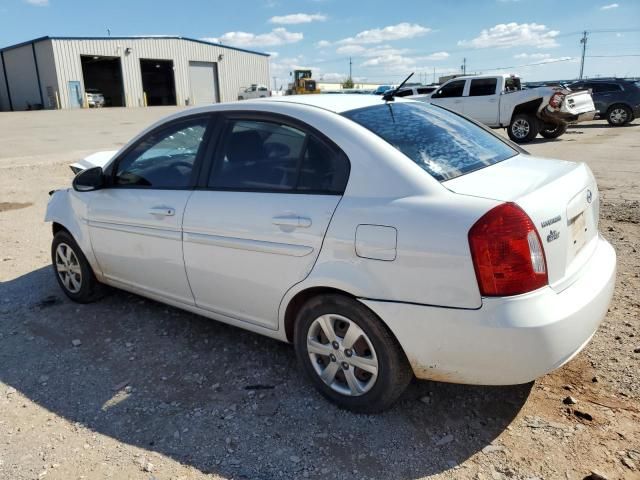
x,y
508,340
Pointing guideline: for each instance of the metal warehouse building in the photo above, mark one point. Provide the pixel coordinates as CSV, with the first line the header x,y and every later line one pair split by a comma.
x,y
55,72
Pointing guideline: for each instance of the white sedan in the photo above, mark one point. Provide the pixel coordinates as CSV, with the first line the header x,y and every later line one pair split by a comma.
x,y
384,239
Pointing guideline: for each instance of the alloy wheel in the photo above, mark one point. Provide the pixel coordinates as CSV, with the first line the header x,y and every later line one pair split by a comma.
x,y
520,128
68,268
342,355
618,115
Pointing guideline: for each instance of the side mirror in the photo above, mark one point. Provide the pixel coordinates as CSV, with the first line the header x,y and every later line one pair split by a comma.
x,y
89,180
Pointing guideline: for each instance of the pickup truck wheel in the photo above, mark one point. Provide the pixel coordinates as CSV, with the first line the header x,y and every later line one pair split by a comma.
x,y
349,354
523,128
554,131
619,115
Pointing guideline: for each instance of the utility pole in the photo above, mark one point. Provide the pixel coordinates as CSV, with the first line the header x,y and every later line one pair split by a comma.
x,y
275,83
464,66
350,63
583,41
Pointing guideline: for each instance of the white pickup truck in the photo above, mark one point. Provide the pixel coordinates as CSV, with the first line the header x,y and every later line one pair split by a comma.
x,y
499,101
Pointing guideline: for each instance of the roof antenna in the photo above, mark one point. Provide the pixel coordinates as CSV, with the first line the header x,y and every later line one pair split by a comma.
x,y
388,97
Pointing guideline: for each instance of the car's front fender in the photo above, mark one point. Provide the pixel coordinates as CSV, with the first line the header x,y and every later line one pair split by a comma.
x,y
67,209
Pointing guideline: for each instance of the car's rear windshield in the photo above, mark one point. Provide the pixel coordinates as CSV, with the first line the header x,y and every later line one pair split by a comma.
x,y
444,144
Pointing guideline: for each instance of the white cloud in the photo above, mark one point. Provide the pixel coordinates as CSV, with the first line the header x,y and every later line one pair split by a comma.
x,y
533,56
436,56
513,34
38,3
392,32
296,18
609,7
350,50
274,54
277,36
323,44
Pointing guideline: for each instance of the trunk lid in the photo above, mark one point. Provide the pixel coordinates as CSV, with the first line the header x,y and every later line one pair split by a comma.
x,y
560,197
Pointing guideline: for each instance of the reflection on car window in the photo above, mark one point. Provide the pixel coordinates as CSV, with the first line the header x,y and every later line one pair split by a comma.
x,y
453,89
269,156
440,142
258,155
164,159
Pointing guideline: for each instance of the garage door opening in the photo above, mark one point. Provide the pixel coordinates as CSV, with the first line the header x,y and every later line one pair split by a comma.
x,y
103,75
158,82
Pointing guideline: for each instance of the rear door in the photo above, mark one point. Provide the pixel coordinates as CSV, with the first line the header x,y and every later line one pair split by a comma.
x,y
481,100
256,225
604,95
450,96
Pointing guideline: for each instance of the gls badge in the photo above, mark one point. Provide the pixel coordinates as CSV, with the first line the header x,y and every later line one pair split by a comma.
x,y
553,235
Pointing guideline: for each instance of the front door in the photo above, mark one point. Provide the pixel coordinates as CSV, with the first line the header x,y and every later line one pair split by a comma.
x,y
450,96
256,227
75,94
136,222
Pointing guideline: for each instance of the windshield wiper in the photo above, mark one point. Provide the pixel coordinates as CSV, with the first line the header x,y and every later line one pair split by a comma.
x,y
388,97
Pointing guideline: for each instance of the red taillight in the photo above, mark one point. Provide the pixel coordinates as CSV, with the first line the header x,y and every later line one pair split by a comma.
x,y
556,99
507,252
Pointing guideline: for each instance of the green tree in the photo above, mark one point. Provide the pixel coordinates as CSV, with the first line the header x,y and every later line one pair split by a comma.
x,y
348,83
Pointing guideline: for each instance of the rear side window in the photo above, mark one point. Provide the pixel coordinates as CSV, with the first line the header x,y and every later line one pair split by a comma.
x,y
606,87
404,93
483,86
453,89
270,156
442,143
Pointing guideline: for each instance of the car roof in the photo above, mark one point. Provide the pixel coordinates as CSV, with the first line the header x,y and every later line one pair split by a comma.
x,y
337,103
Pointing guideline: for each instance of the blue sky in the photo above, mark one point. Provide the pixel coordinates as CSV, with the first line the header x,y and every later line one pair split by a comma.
x,y
539,39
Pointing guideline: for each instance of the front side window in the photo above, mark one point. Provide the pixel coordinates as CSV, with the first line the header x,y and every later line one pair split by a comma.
x,y
442,143
483,86
453,89
271,156
163,159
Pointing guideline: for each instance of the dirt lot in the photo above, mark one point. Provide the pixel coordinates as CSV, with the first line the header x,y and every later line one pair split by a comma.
x,y
154,392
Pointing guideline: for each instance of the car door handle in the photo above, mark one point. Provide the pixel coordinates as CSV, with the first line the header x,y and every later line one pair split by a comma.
x,y
162,211
292,221
457,101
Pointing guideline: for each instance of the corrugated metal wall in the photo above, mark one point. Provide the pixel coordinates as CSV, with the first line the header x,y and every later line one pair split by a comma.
x,y
4,98
21,73
236,69
47,70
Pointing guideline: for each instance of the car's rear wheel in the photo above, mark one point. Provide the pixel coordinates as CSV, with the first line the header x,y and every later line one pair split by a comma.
x,y
72,270
349,354
523,128
553,131
619,115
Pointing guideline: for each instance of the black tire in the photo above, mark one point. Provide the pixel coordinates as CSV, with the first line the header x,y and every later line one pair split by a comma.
x,y
523,128
619,115
554,131
89,289
393,370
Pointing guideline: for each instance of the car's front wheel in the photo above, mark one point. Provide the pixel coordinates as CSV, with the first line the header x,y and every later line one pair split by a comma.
x,y
619,115
73,272
523,128
349,354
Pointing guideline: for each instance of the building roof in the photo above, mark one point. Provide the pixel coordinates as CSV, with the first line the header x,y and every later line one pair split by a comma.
x,y
141,37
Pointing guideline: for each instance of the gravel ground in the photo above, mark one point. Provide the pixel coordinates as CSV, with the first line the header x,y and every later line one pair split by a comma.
x,y
130,388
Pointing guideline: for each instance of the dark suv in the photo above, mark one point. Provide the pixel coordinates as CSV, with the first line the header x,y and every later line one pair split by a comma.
x,y
617,100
